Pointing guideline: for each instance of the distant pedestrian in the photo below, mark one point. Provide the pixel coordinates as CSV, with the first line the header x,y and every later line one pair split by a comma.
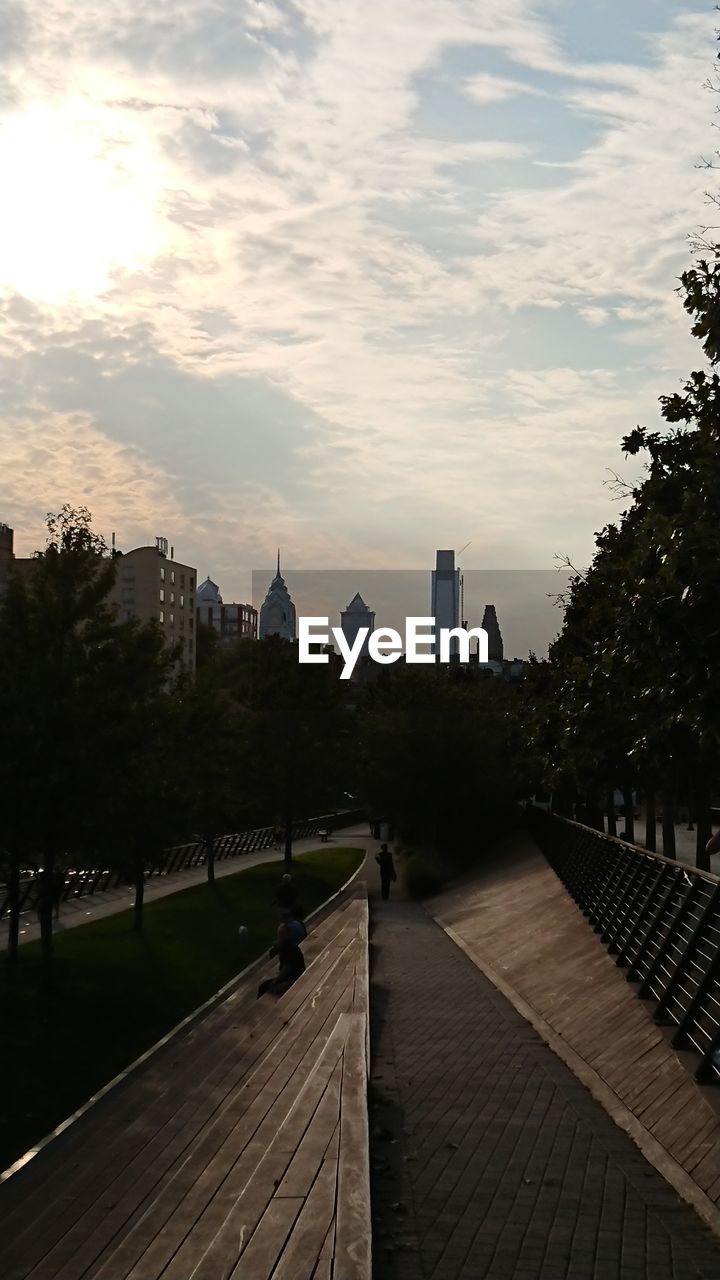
x,y
384,860
286,896
291,964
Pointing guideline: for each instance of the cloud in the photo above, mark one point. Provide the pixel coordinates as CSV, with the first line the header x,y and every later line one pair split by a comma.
x,y
317,331
486,89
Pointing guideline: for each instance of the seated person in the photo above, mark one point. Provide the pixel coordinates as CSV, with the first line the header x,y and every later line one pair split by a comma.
x,y
296,924
291,964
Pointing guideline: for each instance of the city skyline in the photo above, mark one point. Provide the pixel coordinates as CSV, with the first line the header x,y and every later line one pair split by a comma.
x,y
364,280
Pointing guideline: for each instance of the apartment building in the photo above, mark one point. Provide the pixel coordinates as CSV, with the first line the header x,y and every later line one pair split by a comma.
x,y
230,622
152,584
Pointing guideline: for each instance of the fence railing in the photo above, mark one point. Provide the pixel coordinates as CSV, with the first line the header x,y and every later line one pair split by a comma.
x,y
659,918
81,883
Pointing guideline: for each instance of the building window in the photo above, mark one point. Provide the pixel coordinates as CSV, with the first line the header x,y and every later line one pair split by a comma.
x,y
172,619
182,602
182,622
191,624
128,575
162,574
162,615
172,597
189,646
162,595
172,576
192,583
182,579
128,595
192,602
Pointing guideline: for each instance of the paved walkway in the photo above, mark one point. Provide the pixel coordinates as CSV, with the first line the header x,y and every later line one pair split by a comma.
x,y
489,1160
93,906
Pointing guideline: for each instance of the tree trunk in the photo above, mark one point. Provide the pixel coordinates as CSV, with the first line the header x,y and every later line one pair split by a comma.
x,y
668,825
13,909
139,895
703,820
629,815
45,913
210,852
650,821
610,808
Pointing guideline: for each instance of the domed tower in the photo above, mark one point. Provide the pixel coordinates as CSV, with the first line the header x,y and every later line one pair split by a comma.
x,y
208,593
277,614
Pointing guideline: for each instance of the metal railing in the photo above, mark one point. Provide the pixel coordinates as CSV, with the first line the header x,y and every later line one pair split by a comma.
x,y
659,918
81,883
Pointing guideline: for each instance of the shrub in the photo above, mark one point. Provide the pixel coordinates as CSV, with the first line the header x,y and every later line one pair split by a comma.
x,y
424,875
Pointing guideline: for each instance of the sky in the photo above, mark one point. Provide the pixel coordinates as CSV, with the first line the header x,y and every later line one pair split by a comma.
x,y
359,279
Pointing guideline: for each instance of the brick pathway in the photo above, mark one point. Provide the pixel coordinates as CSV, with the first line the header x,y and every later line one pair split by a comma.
x,y
489,1160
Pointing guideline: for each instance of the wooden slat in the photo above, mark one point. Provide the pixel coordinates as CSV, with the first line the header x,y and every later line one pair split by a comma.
x,y
258,1260
227,1165
203,1257
302,1251
303,1167
170,1216
166,1158
352,1231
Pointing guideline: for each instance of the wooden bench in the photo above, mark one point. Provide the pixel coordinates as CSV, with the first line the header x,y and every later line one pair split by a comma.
x,y
237,1151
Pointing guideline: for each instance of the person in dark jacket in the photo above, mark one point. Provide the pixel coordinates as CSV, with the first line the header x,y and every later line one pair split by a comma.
x,y
291,964
384,860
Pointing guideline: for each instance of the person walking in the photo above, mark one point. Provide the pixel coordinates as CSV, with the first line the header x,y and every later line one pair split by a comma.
x,y
384,860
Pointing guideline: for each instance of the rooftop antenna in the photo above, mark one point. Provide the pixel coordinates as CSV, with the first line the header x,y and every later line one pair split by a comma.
x,y
278,568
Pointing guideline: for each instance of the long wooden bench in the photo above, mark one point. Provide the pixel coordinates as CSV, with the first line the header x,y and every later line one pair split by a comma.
x,y
237,1151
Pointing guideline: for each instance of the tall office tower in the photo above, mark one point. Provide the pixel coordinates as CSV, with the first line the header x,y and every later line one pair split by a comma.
x,y
357,615
445,607
495,640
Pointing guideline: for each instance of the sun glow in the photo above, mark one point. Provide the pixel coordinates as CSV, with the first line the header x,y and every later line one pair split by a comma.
x,y
80,195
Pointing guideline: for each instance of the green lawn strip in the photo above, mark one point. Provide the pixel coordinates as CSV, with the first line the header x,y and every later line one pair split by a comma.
x,y
116,993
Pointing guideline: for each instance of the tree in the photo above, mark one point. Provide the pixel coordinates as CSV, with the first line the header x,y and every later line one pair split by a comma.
x,y
298,726
437,758
213,730
72,682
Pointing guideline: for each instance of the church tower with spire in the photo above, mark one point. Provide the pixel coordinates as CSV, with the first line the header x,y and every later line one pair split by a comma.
x,y
277,613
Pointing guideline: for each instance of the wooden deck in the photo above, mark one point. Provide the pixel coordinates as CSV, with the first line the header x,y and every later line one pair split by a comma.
x,y
520,926
238,1151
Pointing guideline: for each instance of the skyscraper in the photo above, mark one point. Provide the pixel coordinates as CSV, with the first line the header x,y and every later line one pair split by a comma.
x,y
357,615
277,614
495,640
445,607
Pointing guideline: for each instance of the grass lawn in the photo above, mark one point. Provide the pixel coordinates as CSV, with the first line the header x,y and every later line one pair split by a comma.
x,y
116,993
